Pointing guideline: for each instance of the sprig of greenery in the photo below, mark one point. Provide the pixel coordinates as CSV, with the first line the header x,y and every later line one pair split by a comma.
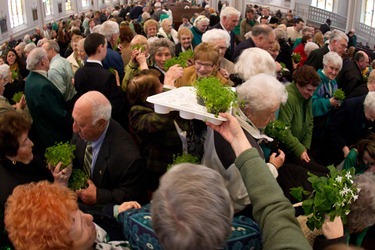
x,y
78,180
63,152
112,70
332,195
181,60
296,57
217,98
277,130
14,74
17,96
339,94
184,158
138,46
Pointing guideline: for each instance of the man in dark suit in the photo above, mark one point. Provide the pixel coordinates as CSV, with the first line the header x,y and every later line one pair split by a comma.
x,y
338,42
229,18
262,36
51,121
350,77
116,167
325,26
92,76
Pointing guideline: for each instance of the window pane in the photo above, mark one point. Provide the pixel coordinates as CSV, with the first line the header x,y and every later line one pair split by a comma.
x,y
323,4
369,12
15,13
68,5
85,3
47,7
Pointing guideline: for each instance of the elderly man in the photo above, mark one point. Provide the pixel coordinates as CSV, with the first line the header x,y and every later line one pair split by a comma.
x,y
51,121
229,18
350,77
107,153
92,76
111,31
338,42
262,36
60,71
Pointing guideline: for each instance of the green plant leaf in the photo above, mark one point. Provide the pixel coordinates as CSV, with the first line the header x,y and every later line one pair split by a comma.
x,y
17,96
78,180
63,152
297,193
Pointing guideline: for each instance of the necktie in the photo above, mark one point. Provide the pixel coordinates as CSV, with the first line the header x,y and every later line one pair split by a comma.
x,y
87,160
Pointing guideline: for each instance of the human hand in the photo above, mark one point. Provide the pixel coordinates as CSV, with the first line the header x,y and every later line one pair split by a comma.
x,y
128,205
345,151
334,103
88,195
232,133
172,75
277,161
305,157
278,67
224,72
61,177
333,229
141,58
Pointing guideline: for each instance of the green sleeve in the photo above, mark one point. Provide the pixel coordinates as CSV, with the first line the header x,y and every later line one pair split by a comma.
x,y
273,212
130,70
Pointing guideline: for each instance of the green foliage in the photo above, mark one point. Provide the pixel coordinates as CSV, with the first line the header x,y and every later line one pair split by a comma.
x,y
78,180
181,60
332,195
17,96
184,158
296,57
277,130
217,98
339,94
138,46
14,74
112,70
63,152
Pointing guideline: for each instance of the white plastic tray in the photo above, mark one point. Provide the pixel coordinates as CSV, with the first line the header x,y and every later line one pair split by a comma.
x,y
183,99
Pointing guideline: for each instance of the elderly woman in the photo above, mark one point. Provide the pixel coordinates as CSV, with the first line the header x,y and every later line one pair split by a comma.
x,y
206,63
167,31
185,37
51,217
151,28
262,95
11,86
81,50
200,26
309,47
221,39
300,49
15,64
323,102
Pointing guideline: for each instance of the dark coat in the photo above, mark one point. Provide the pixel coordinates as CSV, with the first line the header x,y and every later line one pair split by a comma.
x,y
114,60
92,76
229,53
315,58
324,28
350,77
248,43
51,120
119,171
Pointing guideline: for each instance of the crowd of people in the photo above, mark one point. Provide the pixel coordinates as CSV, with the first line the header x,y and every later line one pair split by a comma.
x,y
86,80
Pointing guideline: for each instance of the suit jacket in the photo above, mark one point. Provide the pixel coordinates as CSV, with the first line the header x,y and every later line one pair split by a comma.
x,y
248,43
315,58
229,53
51,120
119,171
113,59
350,77
92,76
324,28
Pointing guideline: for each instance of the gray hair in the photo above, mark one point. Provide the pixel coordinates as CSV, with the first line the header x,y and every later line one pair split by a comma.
x,y
26,39
97,28
216,34
54,45
21,45
29,47
109,28
337,35
369,102
334,58
35,57
100,105
188,196
4,71
200,19
280,34
159,43
253,61
310,46
229,11
362,213
261,29
261,92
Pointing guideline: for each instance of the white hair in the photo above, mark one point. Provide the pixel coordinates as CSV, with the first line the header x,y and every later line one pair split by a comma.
x,y
334,58
29,47
229,11
97,28
35,57
216,34
109,28
199,19
310,46
4,71
369,102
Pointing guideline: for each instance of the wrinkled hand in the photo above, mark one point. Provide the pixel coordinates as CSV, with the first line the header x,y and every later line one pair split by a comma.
x,y
21,104
88,195
345,151
142,60
224,72
277,161
232,133
61,177
333,229
128,205
172,75
305,157
334,103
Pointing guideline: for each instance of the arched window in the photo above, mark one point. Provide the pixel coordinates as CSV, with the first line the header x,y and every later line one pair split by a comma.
x,y
68,5
369,18
47,7
85,3
15,13
323,4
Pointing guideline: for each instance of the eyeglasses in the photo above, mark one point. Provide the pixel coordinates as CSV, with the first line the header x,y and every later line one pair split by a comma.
x,y
205,65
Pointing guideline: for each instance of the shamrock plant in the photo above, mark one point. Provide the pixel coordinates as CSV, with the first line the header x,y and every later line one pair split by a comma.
x,y
17,96
63,152
339,95
184,158
331,195
181,60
